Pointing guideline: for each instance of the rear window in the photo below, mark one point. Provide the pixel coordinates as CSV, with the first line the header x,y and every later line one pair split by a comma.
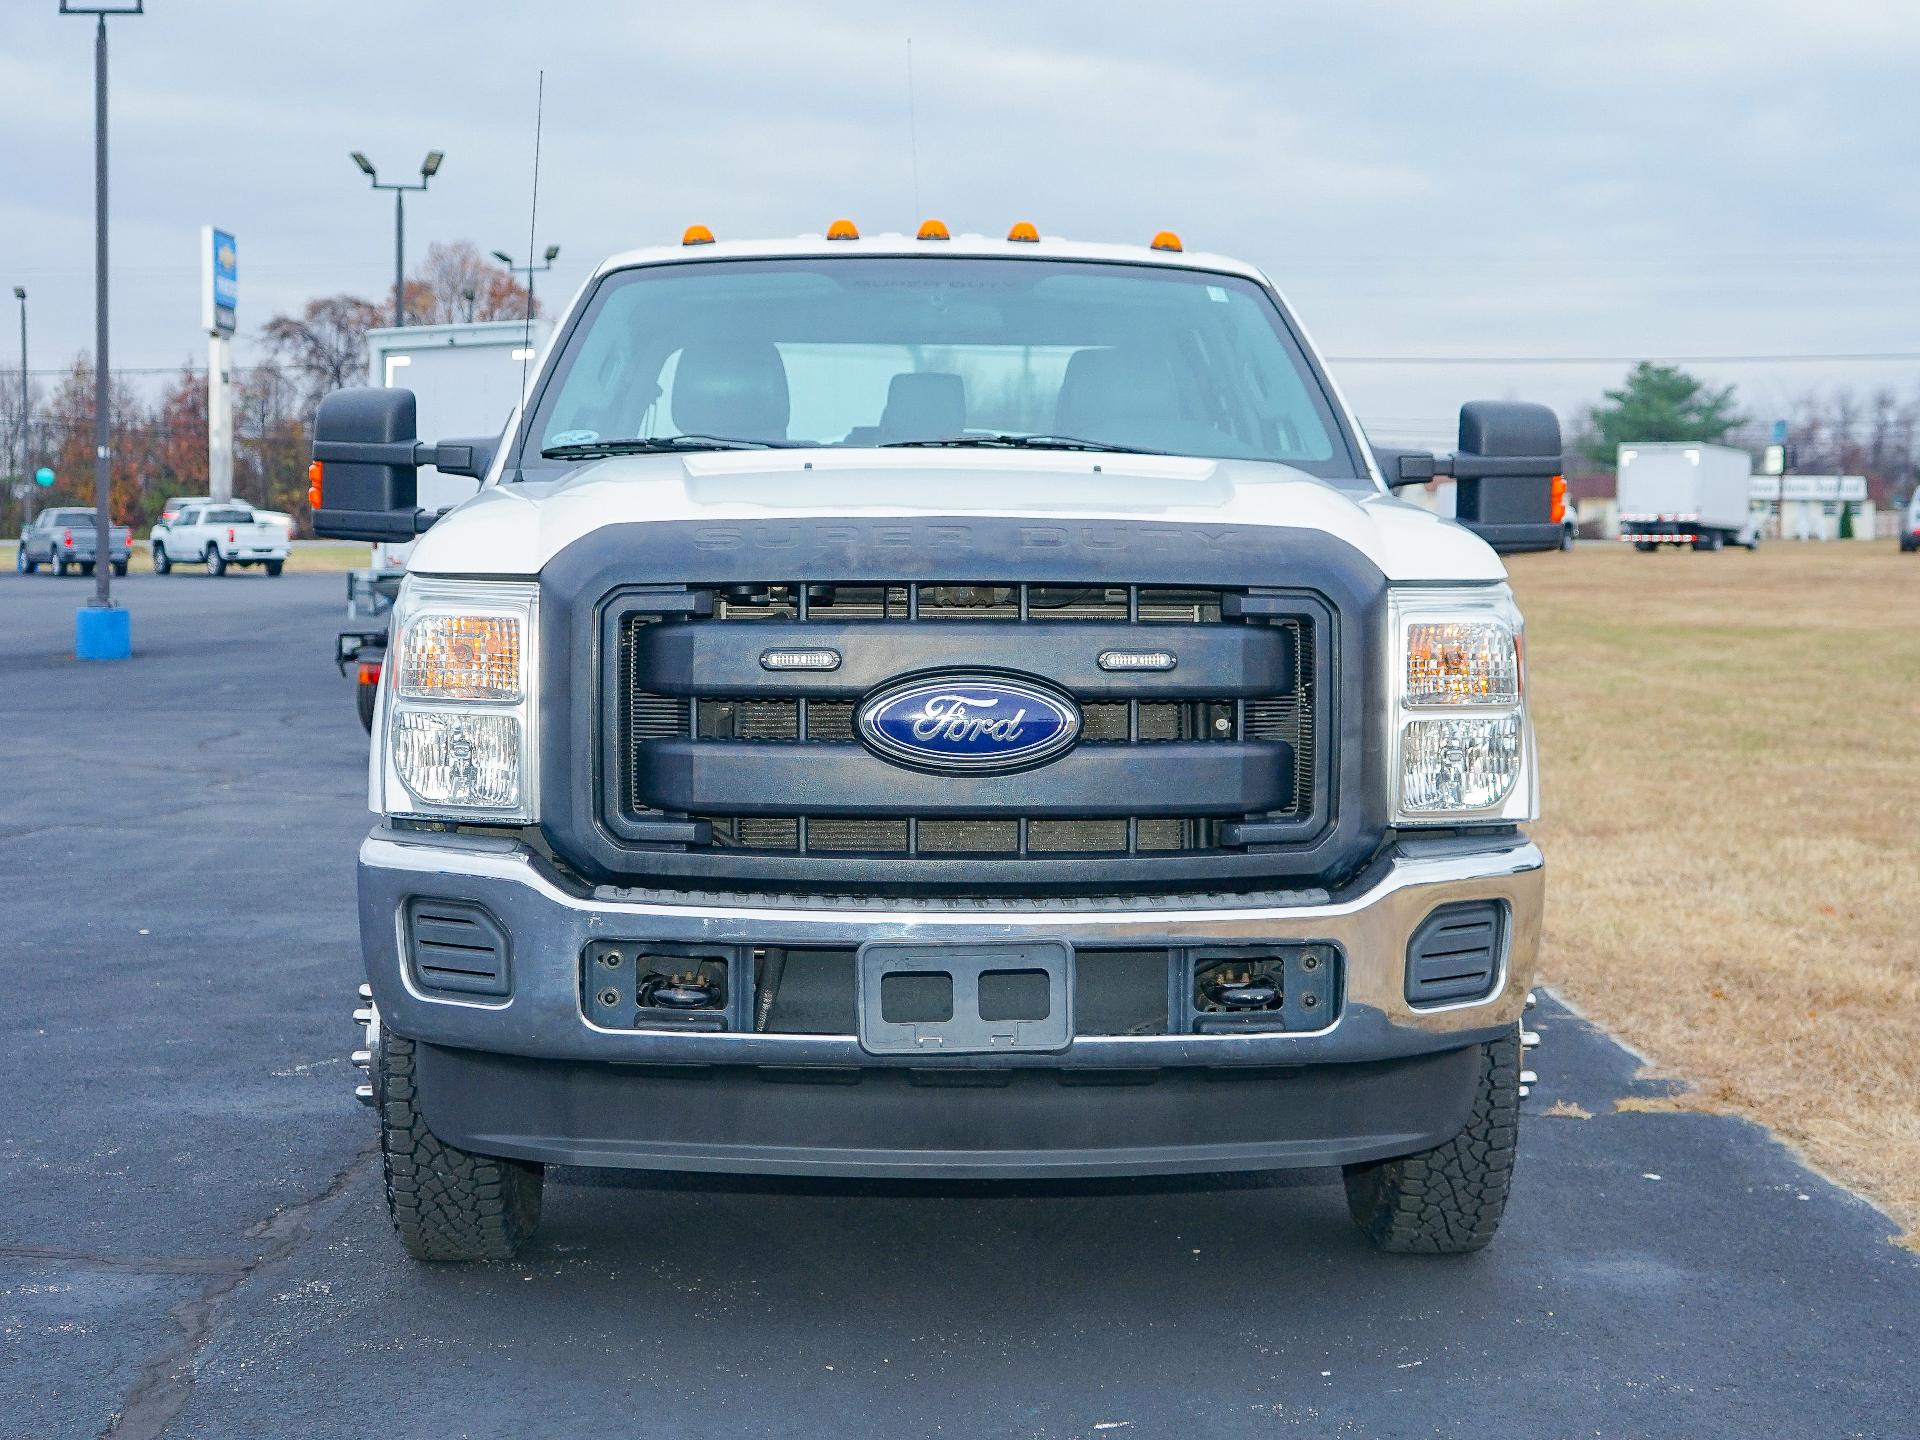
x,y
229,517
75,517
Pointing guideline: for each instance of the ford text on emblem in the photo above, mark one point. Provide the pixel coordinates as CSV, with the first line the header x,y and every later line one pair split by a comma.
x,y
969,724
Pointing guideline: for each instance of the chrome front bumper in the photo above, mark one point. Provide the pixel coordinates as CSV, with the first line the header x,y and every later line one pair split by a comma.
x,y
550,921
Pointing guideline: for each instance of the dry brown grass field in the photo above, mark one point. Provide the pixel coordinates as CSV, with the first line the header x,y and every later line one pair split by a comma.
x,y
1731,752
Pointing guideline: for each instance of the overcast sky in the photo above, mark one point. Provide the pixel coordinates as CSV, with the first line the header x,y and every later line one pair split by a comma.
x,y
1488,177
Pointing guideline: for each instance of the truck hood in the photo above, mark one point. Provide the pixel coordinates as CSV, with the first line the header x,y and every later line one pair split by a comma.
x,y
514,529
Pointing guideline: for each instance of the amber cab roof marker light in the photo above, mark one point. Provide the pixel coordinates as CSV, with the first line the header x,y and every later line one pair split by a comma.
x,y
1167,240
697,235
1023,230
843,230
933,230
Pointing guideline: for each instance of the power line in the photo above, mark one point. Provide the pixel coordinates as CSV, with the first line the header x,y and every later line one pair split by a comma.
x,y
1800,359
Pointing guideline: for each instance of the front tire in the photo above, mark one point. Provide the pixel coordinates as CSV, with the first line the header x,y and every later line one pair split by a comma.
x,y
216,562
364,702
447,1204
23,566
1448,1200
161,564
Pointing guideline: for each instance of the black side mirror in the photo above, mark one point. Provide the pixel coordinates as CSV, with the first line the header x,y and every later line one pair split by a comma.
x,y
1508,473
367,466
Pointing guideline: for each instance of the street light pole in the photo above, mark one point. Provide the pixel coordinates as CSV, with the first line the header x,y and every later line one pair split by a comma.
x,y
26,408
529,269
428,168
118,645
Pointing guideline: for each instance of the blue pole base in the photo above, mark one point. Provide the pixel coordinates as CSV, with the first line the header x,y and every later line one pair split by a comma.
x,y
102,633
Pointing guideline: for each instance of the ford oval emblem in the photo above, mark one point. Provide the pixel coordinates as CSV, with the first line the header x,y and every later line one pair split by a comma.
x,y
969,724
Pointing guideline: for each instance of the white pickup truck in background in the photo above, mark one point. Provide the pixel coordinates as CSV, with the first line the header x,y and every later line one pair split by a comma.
x,y
218,535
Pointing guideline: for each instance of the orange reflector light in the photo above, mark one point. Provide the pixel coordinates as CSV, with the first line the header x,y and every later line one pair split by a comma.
x,y
1023,230
369,672
697,235
315,473
1559,499
843,230
1166,240
933,230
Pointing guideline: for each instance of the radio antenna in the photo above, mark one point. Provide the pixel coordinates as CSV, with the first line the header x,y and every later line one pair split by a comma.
x,y
913,135
533,217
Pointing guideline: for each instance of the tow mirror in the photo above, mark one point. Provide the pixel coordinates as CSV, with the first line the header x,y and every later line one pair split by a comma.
x,y
366,466
1508,459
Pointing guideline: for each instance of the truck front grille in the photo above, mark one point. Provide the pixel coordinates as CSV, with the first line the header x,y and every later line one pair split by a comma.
x,y
1234,699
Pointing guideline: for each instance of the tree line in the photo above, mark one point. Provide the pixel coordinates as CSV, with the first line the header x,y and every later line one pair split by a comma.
x,y
160,434
1835,432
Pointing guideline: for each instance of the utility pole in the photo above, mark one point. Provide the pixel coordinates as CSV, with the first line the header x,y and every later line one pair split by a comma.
x,y
100,631
529,269
429,167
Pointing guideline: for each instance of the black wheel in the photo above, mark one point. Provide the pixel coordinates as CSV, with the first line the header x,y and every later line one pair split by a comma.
x,y
120,566
161,564
23,566
1566,538
59,565
86,567
1645,547
1448,1200
363,701
447,1203
216,562
1709,543
275,566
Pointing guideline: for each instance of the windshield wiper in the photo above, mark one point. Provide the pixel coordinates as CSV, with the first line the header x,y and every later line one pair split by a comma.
x,y
656,444
1018,442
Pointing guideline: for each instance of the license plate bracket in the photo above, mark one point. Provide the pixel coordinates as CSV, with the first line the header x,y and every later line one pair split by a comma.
x,y
998,997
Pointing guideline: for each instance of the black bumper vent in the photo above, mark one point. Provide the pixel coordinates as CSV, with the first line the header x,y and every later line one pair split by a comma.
x,y
1455,954
454,946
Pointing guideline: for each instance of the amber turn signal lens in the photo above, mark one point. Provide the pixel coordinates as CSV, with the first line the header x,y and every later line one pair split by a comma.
x,y
315,473
1559,499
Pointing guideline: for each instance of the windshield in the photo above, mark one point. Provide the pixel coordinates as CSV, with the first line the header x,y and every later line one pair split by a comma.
x,y
871,351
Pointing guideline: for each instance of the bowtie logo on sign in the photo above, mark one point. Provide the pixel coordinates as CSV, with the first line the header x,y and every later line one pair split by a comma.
x,y
969,724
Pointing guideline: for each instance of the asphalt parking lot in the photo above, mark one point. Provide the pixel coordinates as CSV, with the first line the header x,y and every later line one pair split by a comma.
x,y
192,1241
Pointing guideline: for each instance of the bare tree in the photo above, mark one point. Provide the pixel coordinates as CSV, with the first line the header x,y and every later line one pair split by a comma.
x,y
325,346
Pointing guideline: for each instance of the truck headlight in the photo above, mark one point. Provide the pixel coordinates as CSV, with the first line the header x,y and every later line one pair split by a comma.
x,y
1462,745
460,723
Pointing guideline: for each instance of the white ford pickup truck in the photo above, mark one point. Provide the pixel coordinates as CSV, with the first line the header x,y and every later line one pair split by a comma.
x,y
942,706
221,534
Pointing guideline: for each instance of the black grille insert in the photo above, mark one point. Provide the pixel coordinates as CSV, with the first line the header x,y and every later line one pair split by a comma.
x,y
1235,695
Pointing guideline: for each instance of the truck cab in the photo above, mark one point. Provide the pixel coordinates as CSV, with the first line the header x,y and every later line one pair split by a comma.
x,y
943,706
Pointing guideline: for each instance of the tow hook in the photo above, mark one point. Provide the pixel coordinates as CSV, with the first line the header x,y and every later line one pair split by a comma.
x,y
1243,990
689,990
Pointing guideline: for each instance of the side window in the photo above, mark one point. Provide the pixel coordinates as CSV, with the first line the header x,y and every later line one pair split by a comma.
x,y
189,515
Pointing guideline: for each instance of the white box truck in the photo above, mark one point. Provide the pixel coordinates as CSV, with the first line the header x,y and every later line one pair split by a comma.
x,y
1686,493
465,379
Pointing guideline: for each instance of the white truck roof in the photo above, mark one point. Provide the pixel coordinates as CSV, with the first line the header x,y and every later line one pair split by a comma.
x,y
1050,247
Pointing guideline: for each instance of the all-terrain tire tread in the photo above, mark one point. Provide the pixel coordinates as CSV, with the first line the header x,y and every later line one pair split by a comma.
x,y
1448,1200
447,1203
